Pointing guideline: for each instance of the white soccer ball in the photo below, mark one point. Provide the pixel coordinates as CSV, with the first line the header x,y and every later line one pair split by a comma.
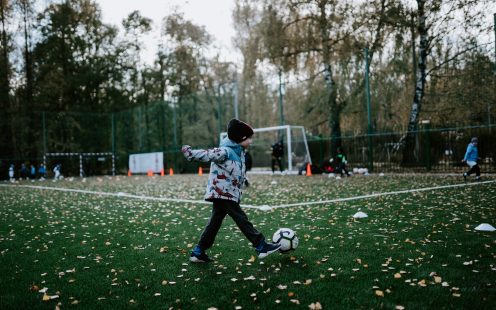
x,y
286,238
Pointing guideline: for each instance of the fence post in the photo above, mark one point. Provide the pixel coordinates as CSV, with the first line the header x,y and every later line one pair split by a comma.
x,y
427,144
113,144
44,133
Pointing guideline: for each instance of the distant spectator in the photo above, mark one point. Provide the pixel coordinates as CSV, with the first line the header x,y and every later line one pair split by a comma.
x,y
339,161
248,160
42,172
57,171
277,153
471,158
24,171
11,173
32,172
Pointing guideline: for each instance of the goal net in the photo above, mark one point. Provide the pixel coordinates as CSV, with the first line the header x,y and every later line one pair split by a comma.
x,y
295,152
82,164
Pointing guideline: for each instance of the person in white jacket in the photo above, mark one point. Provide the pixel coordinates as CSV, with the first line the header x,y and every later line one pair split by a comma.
x,y
224,189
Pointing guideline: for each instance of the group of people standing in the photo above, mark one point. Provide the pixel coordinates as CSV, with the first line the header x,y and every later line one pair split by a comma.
x,y
32,173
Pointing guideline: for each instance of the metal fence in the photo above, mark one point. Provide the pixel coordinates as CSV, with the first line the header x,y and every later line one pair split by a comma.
x,y
155,130
437,150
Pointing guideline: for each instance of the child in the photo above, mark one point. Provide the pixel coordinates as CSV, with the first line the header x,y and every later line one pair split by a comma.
x,y
227,175
42,172
11,173
340,162
57,172
471,157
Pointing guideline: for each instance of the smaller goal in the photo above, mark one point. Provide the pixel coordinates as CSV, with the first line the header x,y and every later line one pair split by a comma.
x,y
296,152
88,162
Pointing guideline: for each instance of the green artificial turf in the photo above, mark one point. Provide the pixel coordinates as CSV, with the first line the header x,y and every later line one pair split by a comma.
x,y
415,250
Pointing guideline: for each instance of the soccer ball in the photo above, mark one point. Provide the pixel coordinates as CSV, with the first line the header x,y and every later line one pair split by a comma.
x,y
286,238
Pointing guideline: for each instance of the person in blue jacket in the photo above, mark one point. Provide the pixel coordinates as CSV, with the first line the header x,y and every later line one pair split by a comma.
x,y
471,158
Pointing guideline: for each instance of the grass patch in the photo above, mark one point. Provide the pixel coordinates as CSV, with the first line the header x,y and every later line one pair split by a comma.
x,y
415,250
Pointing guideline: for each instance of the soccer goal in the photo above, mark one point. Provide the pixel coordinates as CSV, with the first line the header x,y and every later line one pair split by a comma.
x,y
295,148
84,163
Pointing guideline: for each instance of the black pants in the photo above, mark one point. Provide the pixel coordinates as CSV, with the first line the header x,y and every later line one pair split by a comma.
x,y
219,211
279,163
475,168
341,168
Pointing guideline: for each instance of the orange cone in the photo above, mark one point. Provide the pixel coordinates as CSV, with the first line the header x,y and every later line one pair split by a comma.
x,y
309,170
171,171
162,173
200,171
129,173
150,173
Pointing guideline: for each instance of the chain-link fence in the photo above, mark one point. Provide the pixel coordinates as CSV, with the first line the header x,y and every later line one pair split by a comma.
x,y
161,127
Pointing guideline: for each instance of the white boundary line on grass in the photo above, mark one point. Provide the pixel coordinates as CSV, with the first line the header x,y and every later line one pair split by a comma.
x,y
303,204
263,207
120,194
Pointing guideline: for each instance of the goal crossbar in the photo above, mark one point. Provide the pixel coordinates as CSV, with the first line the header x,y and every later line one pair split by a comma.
x,y
288,129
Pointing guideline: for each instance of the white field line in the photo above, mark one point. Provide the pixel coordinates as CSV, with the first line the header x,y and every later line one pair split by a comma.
x,y
120,194
264,207
424,189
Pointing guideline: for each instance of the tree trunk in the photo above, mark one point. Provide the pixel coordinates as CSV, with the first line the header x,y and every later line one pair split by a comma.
x,y
334,111
7,124
409,140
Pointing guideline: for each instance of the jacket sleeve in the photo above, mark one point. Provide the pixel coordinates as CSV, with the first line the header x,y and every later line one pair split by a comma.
x,y
467,153
217,155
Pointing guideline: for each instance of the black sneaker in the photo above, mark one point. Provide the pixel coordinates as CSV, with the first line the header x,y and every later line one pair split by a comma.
x,y
265,249
199,258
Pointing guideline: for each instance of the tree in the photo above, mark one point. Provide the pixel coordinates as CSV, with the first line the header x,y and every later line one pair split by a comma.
x,y
436,21
319,38
6,122
184,43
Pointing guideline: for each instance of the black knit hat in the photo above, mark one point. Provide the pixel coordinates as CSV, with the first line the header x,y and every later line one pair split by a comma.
x,y
238,131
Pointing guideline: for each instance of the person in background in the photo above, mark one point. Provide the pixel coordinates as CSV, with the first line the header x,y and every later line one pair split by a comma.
x,y
11,173
471,158
340,162
24,171
42,172
32,172
57,171
277,153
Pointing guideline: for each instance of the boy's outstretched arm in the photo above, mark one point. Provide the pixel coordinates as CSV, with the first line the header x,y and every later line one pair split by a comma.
x,y
217,155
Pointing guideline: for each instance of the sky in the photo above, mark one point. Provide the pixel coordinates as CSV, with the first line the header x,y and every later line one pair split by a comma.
x,y
215,15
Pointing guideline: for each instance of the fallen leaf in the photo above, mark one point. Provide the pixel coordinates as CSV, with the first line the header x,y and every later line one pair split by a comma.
x,y
315,306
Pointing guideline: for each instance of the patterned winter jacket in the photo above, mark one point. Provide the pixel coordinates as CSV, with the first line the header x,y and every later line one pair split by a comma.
x,y
227,169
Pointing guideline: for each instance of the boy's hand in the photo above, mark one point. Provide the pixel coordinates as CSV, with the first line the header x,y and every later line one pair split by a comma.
x,y
186,150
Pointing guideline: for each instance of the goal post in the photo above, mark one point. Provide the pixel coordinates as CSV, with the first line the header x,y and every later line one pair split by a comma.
x,y
296,151
81,157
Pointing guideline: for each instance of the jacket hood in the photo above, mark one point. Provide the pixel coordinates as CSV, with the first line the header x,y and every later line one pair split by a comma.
x,y
235,147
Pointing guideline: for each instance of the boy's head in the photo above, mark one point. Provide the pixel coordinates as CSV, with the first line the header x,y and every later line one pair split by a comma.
x,y
474,140
239,131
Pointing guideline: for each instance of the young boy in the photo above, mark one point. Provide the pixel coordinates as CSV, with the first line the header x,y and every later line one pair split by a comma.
x,y
224,189
471,157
